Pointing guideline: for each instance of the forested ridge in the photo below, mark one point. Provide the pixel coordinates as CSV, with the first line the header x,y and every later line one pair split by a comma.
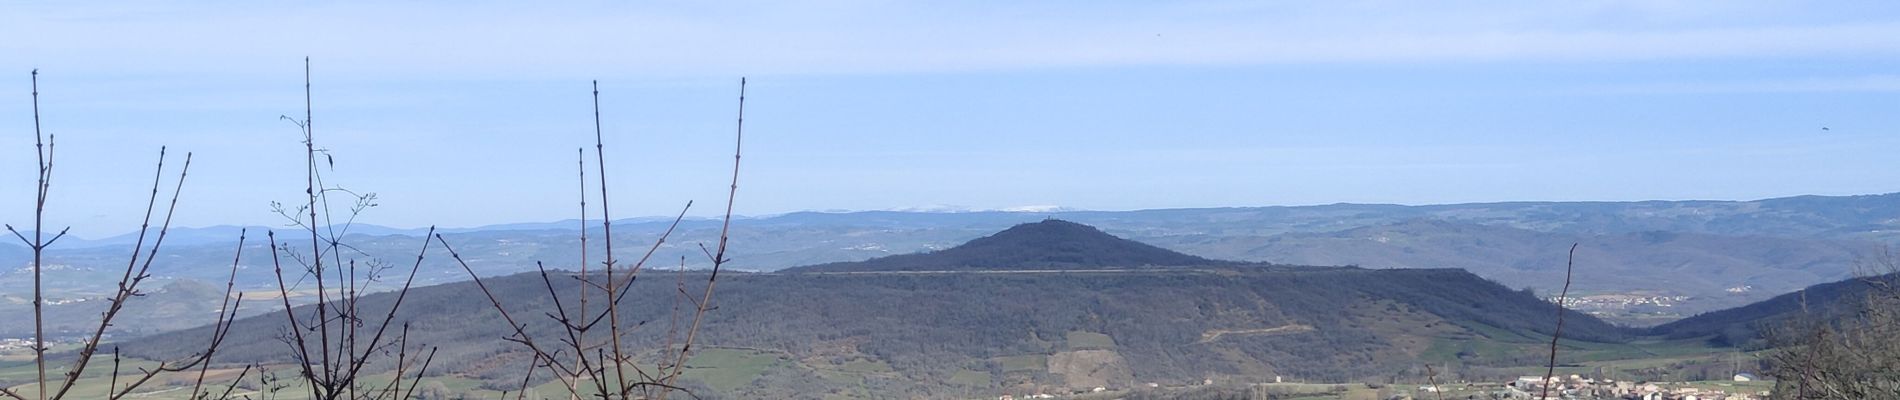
x,y
1079,308
1365,323
1746,326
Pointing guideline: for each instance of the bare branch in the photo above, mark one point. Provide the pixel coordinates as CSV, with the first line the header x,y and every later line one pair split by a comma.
x,y
128,284
521,334
1557,334
719,259
44,152
225,310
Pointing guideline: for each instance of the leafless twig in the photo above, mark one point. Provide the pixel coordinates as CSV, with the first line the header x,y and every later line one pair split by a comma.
x,y
1558,334
137,270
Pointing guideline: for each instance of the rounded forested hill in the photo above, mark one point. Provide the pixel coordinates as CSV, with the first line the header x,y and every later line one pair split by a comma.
x,y
1050,244
1748,326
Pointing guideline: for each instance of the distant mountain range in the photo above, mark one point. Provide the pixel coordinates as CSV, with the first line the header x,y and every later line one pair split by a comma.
x,y
1712,254
1861,216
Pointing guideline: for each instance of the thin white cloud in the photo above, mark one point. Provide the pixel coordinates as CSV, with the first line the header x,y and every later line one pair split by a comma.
x,y
490,41
1869,83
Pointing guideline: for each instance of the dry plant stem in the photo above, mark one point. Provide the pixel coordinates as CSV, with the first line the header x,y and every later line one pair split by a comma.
x,y
580,357
574,333
220,331
1558,334
521,334
316,250
128,283
234,382
525,379
346,374
607,233
616,295
615,290
411,392
225,310
115,370
332,366
719,257
401,294
43,150
571,376
402,361
673,321
127,287
1432,376
39,247
302,354
625,286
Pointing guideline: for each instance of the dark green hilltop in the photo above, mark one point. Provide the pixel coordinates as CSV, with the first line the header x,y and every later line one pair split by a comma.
x,y
1049,244
1747,326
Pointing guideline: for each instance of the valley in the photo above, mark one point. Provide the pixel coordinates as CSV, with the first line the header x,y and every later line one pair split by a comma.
x,y
1059,307
1693,256
949,324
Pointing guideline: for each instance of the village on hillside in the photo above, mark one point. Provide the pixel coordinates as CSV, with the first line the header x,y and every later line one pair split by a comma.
x,y
1742,386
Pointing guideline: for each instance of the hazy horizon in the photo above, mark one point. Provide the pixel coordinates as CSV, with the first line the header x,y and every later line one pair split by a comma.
x,y
928,209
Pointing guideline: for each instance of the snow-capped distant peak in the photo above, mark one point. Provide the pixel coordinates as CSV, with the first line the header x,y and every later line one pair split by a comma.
x,y
948,208
1038,209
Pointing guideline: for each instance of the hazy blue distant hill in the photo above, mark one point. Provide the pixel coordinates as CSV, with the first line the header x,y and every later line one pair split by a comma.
x,y
1050,244
13,256
1773,245
164,306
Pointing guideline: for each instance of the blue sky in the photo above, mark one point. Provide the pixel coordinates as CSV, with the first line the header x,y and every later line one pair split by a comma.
x,y
470,114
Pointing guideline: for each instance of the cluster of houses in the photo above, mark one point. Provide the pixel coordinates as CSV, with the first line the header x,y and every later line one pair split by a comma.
x,y
1620,301
1097,389
1577,387
1574,387
15,343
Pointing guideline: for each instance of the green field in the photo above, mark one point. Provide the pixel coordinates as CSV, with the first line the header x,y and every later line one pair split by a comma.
x,y
1034,362
731,369
971,378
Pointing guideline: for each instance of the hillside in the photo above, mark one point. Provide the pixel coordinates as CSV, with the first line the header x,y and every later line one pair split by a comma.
x,y
1700,248
1017,329
166,306
953,322
1744,326
1702,267
1049,244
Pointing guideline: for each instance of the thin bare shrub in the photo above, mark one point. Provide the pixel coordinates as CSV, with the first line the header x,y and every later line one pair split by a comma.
x,y
137,270
334,339
1850,352
584,362
1570,264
